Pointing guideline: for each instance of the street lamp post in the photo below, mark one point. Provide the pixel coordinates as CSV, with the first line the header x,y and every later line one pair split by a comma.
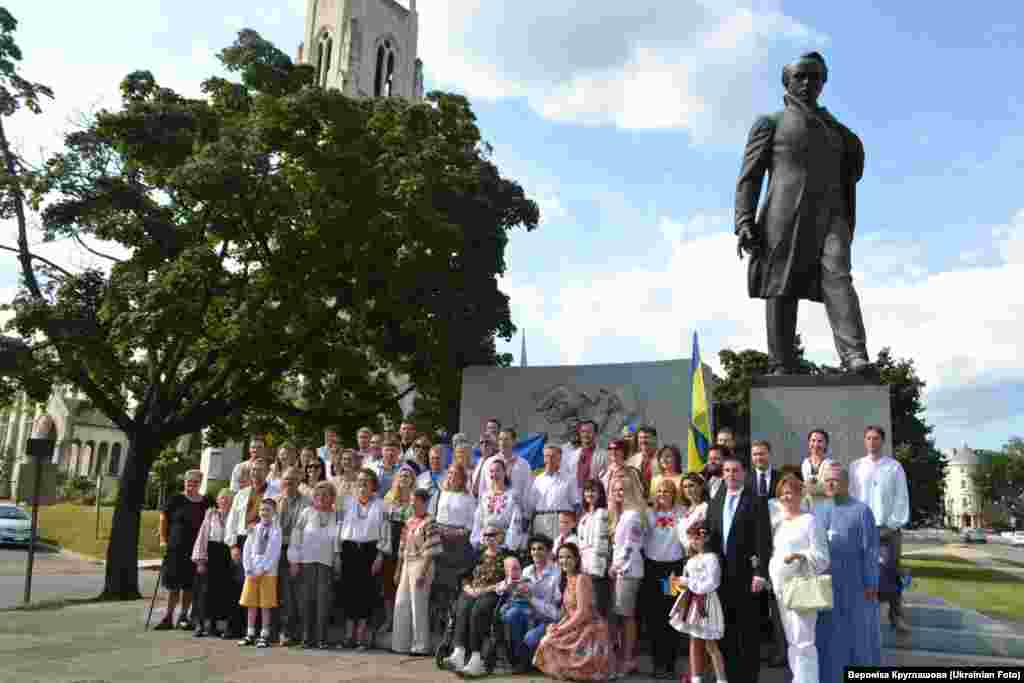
x,y
40,449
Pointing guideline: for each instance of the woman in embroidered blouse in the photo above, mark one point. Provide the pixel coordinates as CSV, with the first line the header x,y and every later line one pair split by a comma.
x,y
312,555
664,557
477,602
595,543
627,515
499,506
219,590
579,646
695,496
345,474
365,534
400,509
287,457
799,548
456,510
814,466
420,545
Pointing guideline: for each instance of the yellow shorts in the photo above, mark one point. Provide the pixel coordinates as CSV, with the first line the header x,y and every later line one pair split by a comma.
x,y
259,591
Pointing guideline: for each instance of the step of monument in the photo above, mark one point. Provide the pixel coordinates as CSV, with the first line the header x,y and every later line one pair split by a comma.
x,y
955,631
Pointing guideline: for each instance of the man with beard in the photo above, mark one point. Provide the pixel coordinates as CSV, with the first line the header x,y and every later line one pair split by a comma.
x,y
645,459
587,461
713,469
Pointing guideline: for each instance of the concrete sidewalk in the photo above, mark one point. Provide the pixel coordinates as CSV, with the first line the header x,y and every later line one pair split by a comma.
x,y
105,643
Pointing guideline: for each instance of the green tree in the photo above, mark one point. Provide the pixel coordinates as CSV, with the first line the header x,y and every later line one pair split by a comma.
x,y
278,239
1000,476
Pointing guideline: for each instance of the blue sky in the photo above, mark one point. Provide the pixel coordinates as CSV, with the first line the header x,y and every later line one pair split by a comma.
x,y
626,122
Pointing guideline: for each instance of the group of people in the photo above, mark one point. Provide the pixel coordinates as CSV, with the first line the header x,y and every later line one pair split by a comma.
x,y
577,563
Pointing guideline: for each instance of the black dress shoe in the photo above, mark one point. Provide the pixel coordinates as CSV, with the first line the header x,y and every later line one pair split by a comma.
x,y
164,625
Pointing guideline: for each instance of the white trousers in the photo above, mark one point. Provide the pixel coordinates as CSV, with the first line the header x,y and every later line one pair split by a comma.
x,y
801,651
410,629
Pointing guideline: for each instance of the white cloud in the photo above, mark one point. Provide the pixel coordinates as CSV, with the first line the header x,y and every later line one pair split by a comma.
x,y
701,66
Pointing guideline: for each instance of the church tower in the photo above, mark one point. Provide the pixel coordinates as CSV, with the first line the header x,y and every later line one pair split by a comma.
x,y
365,48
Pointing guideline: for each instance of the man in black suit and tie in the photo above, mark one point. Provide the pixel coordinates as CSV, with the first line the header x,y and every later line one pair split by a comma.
x,y
739,530
762,480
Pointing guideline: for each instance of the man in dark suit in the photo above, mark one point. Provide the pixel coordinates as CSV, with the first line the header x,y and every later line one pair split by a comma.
x,y
739,530
762,480
799,242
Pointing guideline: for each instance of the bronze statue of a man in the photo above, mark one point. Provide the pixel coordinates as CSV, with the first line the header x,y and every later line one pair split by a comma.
x,y
799,242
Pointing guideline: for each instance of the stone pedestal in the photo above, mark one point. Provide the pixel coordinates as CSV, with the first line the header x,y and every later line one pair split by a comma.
x,y
216,464
783,409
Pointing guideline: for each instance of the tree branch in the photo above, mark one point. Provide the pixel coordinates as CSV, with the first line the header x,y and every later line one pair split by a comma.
x,y
85,246
23,254
19,211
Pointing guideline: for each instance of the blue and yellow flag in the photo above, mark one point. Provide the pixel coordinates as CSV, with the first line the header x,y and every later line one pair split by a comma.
x,y
700,416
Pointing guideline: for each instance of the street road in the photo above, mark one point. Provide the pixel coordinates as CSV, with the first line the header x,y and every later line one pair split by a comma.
x,y
55,575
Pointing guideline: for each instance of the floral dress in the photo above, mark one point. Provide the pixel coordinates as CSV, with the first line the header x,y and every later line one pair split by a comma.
x,y
698,610
579,646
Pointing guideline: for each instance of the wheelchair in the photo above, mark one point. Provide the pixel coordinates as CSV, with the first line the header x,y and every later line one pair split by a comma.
x,y
496,651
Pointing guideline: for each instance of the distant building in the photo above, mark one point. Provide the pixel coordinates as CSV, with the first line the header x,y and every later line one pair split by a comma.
x,y
964,503
365,48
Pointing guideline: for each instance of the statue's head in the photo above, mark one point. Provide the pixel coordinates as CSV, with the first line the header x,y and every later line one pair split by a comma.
x,y
804,78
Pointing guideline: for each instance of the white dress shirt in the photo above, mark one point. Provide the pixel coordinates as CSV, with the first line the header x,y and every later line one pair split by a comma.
x,y
456,509
882,486
551,493
519,474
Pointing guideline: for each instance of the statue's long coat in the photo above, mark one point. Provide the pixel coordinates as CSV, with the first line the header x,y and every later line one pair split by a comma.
x,y
794,149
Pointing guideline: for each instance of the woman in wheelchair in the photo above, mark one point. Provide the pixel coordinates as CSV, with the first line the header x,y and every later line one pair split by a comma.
x,y
474,610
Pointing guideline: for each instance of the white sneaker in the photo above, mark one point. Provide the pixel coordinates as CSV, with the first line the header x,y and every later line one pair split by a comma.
x,y
457,660
475,668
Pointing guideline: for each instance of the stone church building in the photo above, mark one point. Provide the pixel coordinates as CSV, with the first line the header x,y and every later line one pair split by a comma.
x,y
365,48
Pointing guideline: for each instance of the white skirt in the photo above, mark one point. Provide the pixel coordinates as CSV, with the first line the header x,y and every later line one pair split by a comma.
x,y
711,627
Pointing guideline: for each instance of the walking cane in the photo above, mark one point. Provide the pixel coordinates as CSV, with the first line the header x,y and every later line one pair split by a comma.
x,y
156,590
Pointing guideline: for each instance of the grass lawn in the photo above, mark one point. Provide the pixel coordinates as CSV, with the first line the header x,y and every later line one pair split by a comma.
x,y
73,527
963,583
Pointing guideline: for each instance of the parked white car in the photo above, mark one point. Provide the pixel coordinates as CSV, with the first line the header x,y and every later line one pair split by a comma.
x,y
1018,538
15,525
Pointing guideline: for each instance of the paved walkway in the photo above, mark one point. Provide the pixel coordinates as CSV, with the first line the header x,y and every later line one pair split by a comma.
x,y
105,643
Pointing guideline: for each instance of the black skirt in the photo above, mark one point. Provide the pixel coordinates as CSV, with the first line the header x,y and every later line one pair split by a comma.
x,y
220,588
178,569
361,589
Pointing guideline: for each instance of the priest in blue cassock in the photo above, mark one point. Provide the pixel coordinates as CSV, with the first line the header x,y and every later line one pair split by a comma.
x,y
849,633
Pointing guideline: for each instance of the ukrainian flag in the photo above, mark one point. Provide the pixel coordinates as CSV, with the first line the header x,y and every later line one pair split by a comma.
x,y
700,416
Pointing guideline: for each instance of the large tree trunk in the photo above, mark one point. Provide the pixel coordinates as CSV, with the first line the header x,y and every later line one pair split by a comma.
x,y
122,578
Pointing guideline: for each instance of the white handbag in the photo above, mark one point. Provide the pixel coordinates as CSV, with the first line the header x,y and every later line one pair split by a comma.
x,y
809,593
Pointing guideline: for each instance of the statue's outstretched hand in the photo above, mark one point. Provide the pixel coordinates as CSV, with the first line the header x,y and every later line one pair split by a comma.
x,y
749,242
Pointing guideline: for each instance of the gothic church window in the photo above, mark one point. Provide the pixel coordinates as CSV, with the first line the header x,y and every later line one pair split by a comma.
x,y
323,59
384,76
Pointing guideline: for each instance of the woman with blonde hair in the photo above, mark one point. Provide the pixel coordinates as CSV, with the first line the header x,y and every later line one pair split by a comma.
x,y
627,519
345,473
398,502
799,549
695,496
663,558
287,456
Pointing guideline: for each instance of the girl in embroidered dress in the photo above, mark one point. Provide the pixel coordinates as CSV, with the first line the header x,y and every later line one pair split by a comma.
x,y
698,611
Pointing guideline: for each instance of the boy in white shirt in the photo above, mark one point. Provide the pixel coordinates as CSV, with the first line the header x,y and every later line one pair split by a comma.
x,y
259,560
